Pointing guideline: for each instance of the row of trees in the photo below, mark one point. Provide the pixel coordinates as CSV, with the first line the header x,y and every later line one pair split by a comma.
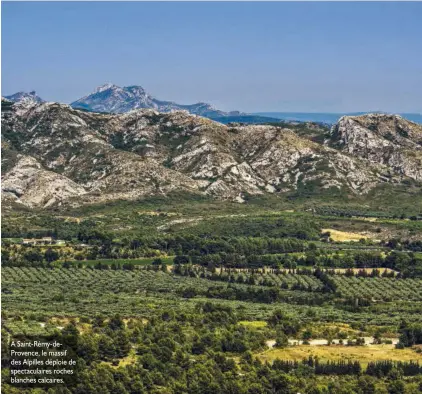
x,y
268,295
410,335
409,263
239,252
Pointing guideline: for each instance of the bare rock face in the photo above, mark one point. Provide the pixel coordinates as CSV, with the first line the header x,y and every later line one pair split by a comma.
x,y
116,99
389,140
285,161
24,96
70,146
53,154
30,184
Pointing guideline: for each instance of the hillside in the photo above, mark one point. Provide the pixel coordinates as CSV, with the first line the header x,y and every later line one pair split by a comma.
x,y
53,154
115,99
110,98
24,96
385,139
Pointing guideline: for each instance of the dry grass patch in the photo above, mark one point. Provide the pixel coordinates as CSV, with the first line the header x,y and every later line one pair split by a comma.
x,y
319,329
344,236
130,359
61,322
254,323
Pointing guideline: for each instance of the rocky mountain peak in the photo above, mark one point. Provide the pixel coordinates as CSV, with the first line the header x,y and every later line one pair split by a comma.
x,y
111,98
104,87
136,90
115,99
25,96
389,127
386,139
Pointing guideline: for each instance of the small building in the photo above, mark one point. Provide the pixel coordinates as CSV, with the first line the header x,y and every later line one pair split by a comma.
x,y
28,241
38,241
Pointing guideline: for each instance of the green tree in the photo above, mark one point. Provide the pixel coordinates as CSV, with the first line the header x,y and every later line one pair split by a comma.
x,y
51,255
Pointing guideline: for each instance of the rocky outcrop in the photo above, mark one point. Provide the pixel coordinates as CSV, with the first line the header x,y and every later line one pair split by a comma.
x,y
30,184
85,157
389,140
24,96
115,99
287,161
76,146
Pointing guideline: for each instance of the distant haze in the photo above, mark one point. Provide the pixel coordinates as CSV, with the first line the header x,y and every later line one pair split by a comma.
x,y
326,117
253,56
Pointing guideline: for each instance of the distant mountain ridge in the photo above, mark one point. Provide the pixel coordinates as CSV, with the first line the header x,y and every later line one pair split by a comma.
x,y
328,117
111,98
53,154
20,96
115,99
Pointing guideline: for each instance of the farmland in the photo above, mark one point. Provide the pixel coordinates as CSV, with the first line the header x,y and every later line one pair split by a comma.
x,y
160,293
380,288
344,236
85,292
44,301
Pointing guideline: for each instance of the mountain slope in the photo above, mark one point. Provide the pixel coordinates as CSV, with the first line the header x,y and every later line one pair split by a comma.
x,y
32,185
84,157
115,99
20,96
62,142
385,139
329,117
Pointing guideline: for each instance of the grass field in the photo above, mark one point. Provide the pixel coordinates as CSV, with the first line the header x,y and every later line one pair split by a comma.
x,y
254,323
344,236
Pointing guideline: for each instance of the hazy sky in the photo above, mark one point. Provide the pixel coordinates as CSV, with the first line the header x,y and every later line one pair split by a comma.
x,y
327,57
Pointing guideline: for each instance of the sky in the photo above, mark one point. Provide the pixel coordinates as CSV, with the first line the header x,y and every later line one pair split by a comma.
x,y
253,56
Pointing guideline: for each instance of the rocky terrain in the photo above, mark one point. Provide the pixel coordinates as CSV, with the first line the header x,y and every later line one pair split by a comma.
x,y
110,98
24,96
115,99
386,139
54,154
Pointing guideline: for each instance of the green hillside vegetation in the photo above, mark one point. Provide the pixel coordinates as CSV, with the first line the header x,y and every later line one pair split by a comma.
x,y
184,294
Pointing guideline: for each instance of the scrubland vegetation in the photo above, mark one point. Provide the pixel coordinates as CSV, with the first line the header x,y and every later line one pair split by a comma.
x,y
207,297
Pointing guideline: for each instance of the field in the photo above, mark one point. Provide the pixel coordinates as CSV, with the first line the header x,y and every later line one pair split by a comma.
x,y
380,288
41,301
86,292
344,236
159,293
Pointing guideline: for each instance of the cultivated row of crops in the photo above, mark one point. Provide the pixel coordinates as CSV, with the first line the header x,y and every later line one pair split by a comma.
x,y
117,281
87,292
280,279
385,289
